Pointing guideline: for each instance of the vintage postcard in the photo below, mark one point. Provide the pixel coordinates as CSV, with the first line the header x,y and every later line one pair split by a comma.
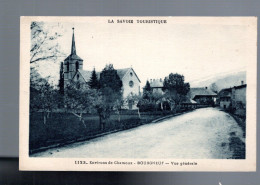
x,y
138,93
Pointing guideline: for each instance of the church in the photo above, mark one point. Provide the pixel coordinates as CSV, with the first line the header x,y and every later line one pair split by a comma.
x,y
73,71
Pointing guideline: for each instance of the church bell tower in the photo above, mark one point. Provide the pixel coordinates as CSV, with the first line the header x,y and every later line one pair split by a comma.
x,y
72,63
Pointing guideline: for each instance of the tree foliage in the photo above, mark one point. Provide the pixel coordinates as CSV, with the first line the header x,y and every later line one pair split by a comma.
x,y
147,91
43,96
175,89
94,82
61,80
214,87
111,93
79,99
110,79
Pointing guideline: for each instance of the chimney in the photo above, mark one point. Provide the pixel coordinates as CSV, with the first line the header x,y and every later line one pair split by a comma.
x,y
206,87
242,82
160,79
151,80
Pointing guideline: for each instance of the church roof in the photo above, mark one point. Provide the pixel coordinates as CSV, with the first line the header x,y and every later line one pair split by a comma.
x,y
201,92
87,74
73,55
120,72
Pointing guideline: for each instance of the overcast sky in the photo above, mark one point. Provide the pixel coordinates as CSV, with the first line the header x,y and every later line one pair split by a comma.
x,y
194,47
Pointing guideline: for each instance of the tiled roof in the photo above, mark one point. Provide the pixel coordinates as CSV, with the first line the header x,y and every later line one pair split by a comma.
x,y
201,92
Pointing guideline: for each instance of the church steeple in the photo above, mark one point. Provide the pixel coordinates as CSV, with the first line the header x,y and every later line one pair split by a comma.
x,y
73,46
73,62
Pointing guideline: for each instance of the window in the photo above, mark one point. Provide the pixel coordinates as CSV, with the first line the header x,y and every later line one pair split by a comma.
x,y
68,67
131,83
77,76
77,65
131,74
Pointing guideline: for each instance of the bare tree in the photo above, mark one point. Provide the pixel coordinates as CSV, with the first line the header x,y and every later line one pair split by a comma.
x,y
44,45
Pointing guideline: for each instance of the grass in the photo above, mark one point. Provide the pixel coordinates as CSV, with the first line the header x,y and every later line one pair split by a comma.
x,y
65,127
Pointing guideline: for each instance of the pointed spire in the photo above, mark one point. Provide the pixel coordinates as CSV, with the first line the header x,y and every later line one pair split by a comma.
x,y
73,46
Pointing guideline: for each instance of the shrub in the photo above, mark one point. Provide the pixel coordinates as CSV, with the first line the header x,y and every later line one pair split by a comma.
x,y
145,105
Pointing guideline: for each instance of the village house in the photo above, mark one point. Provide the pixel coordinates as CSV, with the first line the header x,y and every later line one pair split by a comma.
x,y
156,85
203,96
196,96
224,98
189,103
239,95
73,72
234,99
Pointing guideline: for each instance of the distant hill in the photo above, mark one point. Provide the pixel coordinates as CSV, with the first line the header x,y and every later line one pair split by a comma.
x,y
222,81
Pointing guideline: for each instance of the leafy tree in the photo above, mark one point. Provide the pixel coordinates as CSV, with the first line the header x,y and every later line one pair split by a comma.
x,y
79,99
111,94
43,96
93,82
44,45
214,87
147,93
147,87
159,100
109,78
175,89
146,105
135,99
61,81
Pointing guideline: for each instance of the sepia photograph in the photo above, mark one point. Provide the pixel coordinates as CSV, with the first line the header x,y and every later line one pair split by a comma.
x,y
138,93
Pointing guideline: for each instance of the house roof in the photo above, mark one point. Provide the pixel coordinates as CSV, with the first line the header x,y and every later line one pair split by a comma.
x,y
155,83
225,92
121,73
201,92
189,101
240,86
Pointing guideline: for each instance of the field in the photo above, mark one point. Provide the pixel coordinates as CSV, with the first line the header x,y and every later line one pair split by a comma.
x,y
65,128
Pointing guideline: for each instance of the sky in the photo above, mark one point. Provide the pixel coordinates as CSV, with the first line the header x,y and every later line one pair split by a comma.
x,y
194,47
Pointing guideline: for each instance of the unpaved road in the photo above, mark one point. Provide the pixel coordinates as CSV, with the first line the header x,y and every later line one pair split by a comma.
x,y
201,134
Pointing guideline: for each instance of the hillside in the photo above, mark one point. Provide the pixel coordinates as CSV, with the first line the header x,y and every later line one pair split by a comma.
x,y
221,81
